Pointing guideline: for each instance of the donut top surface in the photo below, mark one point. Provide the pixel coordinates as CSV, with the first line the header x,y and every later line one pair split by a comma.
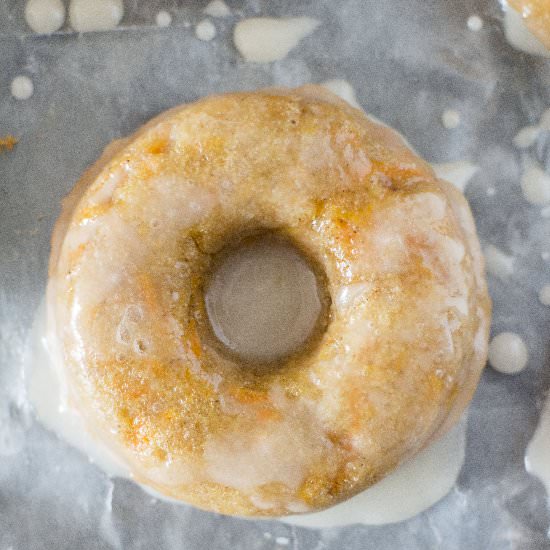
x,y
395,363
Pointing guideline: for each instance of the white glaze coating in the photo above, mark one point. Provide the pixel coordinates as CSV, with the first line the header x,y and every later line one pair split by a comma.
x,y
225,459
265,39
48,394
412,488
45,16
229,450
99,15
442,462
396,498
22,87
508,353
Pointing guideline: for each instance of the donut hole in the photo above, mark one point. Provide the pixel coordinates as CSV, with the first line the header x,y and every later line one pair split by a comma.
x,y
265,300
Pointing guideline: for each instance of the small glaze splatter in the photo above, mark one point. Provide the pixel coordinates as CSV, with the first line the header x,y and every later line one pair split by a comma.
x,y
217,8
544,295
508,353
22,88
475,23
45,16
450,119
266,39
99,15
163,19
535,184
205,30
498,263
526,137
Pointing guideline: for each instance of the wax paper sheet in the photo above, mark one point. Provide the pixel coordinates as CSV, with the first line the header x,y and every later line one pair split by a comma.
x,y
408,60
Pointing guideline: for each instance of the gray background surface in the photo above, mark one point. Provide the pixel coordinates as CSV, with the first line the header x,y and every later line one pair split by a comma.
x,y
408,60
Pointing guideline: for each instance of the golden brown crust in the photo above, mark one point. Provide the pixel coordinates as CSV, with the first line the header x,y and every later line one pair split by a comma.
x,y
408,331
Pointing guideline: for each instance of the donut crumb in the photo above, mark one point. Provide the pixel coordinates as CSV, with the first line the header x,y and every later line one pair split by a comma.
x,y
7,143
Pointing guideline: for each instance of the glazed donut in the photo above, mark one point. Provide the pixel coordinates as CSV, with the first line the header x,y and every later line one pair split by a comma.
x,y
397,326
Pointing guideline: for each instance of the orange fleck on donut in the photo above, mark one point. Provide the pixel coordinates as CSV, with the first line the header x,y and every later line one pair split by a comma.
x,y
7,143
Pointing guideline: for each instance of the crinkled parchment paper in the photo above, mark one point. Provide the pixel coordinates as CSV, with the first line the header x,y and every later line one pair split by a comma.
x,y
408,60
